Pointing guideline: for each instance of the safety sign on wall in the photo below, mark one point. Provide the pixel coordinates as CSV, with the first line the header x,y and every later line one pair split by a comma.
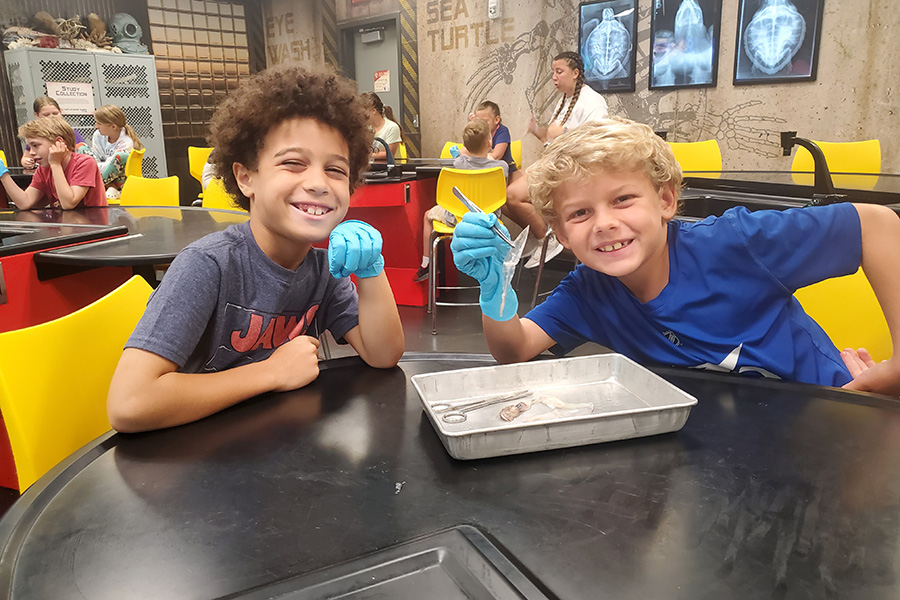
x,y
383,81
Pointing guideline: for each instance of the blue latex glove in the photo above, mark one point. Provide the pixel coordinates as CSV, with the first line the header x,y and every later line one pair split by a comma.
x,y
479,253
354,247
3,169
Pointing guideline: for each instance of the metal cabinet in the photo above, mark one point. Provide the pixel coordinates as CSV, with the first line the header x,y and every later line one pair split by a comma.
x,y
126,80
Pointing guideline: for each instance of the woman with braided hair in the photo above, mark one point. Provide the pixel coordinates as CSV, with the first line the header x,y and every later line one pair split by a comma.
x,y
580,104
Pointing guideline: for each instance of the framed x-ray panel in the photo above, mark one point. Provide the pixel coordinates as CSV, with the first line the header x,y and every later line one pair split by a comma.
x,y
685,43
607,41
777,40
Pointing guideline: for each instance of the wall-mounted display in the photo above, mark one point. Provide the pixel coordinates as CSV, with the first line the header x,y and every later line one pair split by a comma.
x,y
685,43
777,40
608,35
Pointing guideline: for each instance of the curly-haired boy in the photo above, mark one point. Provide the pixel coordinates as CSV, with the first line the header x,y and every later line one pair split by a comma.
x,y
239,312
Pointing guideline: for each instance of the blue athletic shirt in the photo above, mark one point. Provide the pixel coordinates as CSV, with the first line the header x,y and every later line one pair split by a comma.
x,y
501,136
729,304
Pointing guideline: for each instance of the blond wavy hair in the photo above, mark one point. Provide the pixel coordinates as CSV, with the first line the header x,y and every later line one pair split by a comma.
x,y
49,128
610,145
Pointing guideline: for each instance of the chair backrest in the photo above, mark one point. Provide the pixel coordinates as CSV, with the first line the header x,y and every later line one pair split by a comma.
x,y
54,378
841,157
515,148
848,311
197,158
485,187
215,196
135,163
699,156
445,152
3,157
142,191
401,152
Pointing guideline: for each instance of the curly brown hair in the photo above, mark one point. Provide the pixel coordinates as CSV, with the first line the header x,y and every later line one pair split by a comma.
x,y
240,125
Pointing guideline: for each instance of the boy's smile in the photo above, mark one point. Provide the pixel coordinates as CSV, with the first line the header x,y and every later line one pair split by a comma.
x,y
615,223
300,189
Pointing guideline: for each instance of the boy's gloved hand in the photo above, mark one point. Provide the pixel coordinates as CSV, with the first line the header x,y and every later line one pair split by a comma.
x,y
354,247
479,253
3,169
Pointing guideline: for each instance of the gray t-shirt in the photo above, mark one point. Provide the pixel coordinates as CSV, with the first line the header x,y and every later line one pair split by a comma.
x,y
478,162
224,303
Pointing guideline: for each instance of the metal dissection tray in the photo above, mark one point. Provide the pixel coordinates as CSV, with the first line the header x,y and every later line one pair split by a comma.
x,y
572,402
458,563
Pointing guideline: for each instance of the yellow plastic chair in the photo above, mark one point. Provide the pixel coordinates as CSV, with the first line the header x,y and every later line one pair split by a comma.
x,y
515,148
144,191
699,156
3,157
135,163
197,159
54,400
487,189
401,152
216,196
842,157
445,152
848,311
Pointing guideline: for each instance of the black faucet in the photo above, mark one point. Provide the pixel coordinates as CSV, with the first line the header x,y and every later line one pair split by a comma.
x,y
387,149
823,187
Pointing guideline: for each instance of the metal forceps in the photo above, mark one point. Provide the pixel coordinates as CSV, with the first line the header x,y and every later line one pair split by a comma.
x,y
456,413
477,209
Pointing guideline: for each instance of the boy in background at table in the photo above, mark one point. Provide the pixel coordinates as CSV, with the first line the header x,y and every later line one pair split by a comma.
x,y
716,294
477,142
501,140
238,312
63,178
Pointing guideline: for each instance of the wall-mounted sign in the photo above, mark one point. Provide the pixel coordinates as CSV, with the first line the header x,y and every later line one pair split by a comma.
x,y
73,98
383,81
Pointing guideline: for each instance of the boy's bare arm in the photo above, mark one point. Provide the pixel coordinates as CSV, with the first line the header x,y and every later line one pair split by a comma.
x,y
69,195
515,340
880,247
148,393
23,199
379,336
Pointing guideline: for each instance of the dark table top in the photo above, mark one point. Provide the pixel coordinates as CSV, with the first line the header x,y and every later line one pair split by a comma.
x,y
771,489
154,234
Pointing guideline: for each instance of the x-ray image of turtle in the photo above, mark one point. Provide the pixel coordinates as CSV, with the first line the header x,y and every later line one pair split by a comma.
x,y
774,35
607,47
688,57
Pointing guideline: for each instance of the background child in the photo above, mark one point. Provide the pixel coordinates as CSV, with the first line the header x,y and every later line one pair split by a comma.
x,y
389,116
501,139
477,141
384,129
45,106
717,294
239,311
62,177
111,144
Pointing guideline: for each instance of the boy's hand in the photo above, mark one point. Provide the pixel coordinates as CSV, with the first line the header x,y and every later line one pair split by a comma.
x,y
295,363
354,247
869,376
479,253
28,162
58,152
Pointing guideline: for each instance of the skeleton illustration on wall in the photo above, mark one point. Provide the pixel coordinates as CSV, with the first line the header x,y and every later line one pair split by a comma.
x,y
686,114
686,54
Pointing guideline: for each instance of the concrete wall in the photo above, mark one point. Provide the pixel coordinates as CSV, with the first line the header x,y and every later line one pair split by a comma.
x,y
465,57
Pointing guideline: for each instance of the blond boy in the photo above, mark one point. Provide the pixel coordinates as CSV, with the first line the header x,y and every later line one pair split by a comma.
x,y
63,179
716,294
